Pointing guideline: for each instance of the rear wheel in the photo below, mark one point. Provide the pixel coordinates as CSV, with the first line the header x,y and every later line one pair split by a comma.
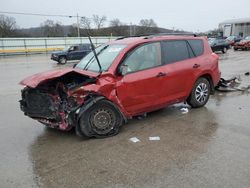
x,y
200,93
62,60
101,120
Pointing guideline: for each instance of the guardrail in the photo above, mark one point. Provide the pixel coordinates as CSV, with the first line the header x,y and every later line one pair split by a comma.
x,y
10,46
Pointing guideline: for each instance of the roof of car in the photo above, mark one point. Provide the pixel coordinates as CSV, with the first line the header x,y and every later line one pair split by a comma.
x,y
151,38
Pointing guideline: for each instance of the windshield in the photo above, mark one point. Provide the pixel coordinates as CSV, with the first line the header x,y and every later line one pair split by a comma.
x,y
67,48
211,40
231,38
106,55
247,38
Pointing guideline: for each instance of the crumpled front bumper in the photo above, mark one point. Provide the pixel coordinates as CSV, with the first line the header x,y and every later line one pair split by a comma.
x,y
44,108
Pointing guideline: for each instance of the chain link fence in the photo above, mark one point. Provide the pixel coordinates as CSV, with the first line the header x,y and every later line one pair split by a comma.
x,y
11,46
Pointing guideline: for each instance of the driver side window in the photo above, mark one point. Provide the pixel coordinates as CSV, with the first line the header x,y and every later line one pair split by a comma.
x,y
144,57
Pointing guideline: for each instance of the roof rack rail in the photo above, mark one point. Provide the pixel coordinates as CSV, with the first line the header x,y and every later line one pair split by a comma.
x,y
124,37
181,34
157,34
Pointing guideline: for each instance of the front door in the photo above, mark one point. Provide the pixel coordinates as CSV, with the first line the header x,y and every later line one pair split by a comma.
x,y
140,89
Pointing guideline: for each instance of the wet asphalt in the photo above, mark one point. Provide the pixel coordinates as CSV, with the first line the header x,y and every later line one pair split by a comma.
x,y
207,147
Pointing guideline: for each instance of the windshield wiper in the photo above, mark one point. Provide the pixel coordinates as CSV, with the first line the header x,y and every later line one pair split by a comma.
x,y
96,57
91,59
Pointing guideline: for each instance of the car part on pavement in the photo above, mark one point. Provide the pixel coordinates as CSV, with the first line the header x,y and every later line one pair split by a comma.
x,y
134,139
231,85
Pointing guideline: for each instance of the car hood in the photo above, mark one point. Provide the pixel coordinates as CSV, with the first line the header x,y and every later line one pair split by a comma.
x,y
36,79
59,52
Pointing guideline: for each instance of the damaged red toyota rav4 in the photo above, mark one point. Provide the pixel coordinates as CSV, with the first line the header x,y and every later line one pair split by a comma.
x,y
120,80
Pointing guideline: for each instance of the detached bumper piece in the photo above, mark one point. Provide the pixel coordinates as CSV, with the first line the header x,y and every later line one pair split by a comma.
x,y
232,84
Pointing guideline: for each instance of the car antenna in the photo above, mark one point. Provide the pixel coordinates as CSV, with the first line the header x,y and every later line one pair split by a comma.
x,y
95,54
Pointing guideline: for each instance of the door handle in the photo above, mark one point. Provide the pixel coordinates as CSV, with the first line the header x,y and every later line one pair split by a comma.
x,y
161,74
195,66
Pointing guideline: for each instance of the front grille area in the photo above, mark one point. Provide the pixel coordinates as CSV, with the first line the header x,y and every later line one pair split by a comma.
x,y
38,104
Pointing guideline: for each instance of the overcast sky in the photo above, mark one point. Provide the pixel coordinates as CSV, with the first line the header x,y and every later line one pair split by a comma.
x,y
189,15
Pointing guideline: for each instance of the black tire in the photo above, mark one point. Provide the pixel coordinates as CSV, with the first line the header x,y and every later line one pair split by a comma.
x,y
62,60
200,93
224,50
235,49
101,120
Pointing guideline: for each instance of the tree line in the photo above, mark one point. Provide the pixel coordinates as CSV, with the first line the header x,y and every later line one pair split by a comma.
x,y
94,26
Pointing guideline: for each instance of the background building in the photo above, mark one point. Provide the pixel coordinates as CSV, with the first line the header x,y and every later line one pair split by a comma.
x,y
238,27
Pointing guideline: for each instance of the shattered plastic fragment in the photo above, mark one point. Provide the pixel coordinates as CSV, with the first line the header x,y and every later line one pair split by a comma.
x,y
134,139
154,138
184,110
231,85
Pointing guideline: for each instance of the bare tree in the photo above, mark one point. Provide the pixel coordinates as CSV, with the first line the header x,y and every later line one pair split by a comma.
x,y
52,29
7,26
115,23
117,27
86,23
148,23
147,26
99,21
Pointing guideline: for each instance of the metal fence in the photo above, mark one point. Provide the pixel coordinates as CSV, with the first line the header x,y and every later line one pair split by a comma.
x,y
9,46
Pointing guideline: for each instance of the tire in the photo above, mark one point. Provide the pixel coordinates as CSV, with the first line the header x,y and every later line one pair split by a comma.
x,y
235,49
101,120
62,60
224,50
200,93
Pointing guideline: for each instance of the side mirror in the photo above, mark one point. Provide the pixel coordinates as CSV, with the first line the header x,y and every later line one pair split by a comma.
x,y
123,69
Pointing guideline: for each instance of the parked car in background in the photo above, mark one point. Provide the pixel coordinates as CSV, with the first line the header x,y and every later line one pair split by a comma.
x,y
126,78
233,39
75,52
218,44
243,44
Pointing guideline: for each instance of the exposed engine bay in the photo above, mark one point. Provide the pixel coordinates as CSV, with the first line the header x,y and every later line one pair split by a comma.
x,y
53,102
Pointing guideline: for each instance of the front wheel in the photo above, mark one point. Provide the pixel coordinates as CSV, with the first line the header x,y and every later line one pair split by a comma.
x,y
224,50
101,120
200,93
62,60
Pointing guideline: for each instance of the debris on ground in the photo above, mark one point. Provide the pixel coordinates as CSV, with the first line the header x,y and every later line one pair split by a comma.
x,y
134,139
184,110
143,116
232,84
154,138
247,73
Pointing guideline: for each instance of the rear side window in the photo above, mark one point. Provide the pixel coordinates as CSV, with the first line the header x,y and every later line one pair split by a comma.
x,y
173,51
85,47
197,46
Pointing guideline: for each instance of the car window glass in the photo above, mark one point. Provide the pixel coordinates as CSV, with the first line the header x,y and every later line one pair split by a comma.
x,y
173,51
197,46
85,47
144,57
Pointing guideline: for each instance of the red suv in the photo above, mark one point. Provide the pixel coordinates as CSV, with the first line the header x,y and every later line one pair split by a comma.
x,y
120,80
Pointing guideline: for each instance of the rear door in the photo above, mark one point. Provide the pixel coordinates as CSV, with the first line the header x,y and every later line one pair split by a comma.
x,y
140,89
180,69
84,50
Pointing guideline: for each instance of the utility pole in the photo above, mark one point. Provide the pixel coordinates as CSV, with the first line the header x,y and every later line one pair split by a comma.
x,y
130,29
78,27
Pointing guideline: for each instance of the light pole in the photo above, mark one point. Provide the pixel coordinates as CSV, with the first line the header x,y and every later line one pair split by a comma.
x,y
78,27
